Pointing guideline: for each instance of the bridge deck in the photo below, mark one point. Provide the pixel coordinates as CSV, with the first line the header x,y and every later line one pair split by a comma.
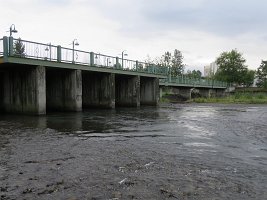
x,y
54,64
52,56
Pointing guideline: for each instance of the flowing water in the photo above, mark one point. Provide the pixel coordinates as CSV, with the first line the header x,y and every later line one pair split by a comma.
x,y
194,151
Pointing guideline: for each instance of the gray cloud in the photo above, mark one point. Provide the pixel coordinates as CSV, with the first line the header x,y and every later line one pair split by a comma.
x,y
228,17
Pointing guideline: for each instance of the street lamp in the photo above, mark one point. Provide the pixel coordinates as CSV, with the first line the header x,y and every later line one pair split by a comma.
x,y
48,49
12,29
123,54
74,43
97,58
108,62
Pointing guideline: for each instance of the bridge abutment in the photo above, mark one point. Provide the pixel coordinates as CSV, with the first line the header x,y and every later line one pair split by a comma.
x,y
205,92
127,91
64,90
149,91
185,92
98,90
23,90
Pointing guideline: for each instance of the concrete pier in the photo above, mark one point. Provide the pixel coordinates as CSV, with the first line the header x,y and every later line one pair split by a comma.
x,y
23,90
1,91
149,91
185,92
64,90
206,92
98,90
127,91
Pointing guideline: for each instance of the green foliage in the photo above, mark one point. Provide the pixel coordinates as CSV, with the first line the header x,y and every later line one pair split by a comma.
x,y
177,66
175,62
261,74
195,74
248,78
240,98
19,48
231,67
167,58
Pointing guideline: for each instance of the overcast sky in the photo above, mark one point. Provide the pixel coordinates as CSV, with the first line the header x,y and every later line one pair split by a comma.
x,y
200,29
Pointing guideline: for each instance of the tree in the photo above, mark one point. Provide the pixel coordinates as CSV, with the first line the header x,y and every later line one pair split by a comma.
x,y
19,48
261,75
167,59
249,78
177,66
231,67
175,62
195,74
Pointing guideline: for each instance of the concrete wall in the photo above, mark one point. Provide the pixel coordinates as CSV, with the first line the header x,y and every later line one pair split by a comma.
x,y
24,90
98,90
127,91
64,90
206,92
185,92
1,90
220,92
189,93
149,91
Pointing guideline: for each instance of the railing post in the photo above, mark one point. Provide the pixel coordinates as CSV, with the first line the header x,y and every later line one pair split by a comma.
x,y
117,62
169,73
11,48
136,63
92,58
5,46
59,53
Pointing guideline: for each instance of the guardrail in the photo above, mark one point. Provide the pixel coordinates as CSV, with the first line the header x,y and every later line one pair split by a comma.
x,y
102,60
187,81
10,46
69,55
35,50
1,47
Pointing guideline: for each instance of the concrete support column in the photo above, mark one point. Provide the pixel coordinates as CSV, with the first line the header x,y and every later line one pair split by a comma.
x,y
64,90
98,90
1,91
149,91
205,92
219,92
185,92
127,90
24,90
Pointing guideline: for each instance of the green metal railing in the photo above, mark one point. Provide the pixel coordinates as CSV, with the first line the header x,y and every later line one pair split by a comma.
x,y
1,47
40,51
186,81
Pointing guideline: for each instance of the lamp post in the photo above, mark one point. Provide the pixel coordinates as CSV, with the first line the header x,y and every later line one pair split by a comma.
x,y
74,43
123,54
108,62
48,49
12,29
97,58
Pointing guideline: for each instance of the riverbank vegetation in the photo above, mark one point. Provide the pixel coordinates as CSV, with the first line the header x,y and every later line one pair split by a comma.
x,y
240,98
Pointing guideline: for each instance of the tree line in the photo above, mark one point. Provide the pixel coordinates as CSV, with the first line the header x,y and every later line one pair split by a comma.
x,y
175,64
232,68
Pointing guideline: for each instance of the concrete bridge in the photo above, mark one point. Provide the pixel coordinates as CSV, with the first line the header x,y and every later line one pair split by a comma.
x,y
44,77
186,87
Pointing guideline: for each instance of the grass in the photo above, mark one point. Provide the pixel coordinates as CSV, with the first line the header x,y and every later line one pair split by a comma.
x,y
246,98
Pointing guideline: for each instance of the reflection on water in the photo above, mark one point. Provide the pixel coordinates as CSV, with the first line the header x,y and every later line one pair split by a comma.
x,y
193,141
